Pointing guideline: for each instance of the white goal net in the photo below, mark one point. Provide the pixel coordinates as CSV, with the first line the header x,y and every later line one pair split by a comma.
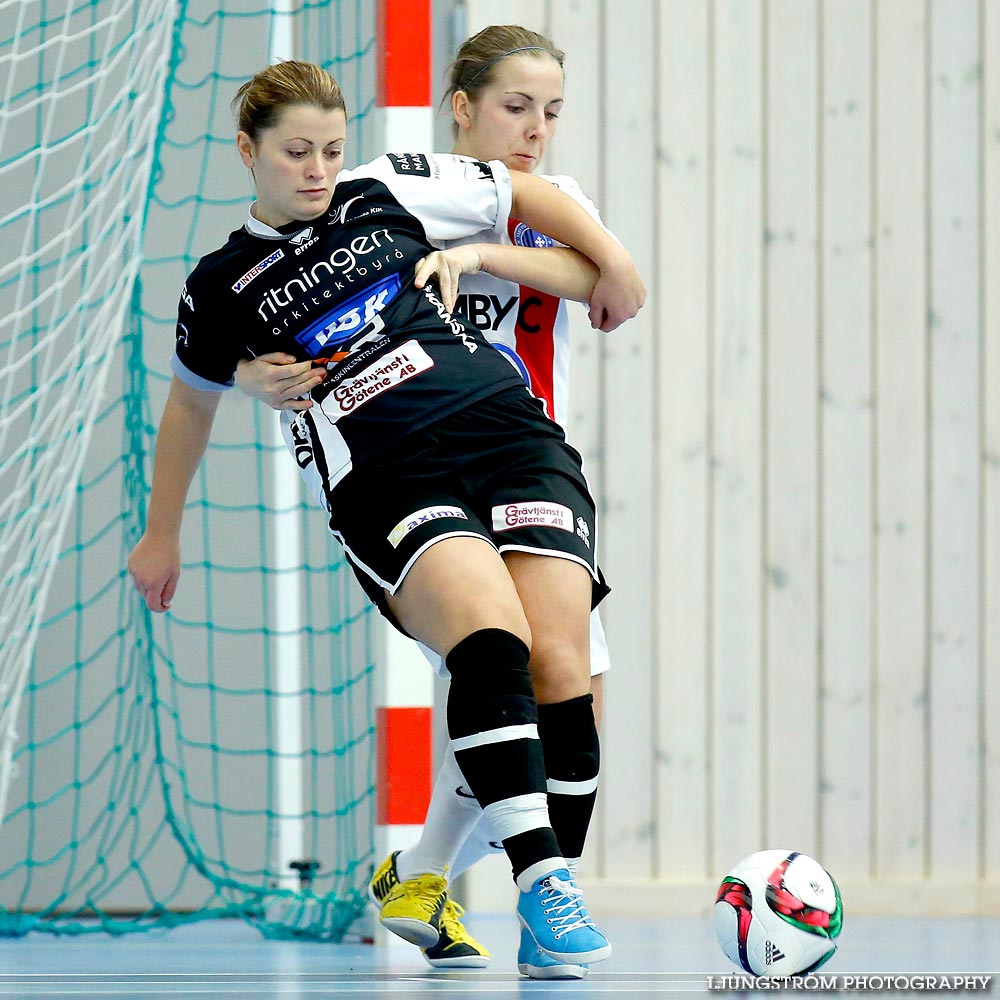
x,y
82,85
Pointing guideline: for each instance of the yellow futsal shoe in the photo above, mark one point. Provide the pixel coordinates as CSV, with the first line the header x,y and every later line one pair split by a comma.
x,y
456,947
411,909
386,877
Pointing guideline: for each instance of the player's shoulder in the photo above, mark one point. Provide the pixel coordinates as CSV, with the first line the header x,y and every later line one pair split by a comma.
x,y
562,181
570,185
426,166
217,264
389,165
208,289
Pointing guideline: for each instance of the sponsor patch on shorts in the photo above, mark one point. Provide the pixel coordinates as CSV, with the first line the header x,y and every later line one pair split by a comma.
x,y
391,369
419,517
532,513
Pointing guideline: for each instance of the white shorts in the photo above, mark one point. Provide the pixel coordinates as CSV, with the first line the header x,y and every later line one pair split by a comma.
x,y
600,658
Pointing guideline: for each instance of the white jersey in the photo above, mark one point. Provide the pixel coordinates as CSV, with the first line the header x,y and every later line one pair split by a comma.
x,y
530,328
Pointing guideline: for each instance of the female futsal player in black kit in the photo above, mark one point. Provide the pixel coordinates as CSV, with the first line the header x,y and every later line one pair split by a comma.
x,y
457,501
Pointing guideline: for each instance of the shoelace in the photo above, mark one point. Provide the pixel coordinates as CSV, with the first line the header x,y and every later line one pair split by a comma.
x,y
425,893
563,904
450,920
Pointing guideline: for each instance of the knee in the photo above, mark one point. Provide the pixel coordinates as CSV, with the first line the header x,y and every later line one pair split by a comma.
x,y
474,626
489,657
560,671
491,686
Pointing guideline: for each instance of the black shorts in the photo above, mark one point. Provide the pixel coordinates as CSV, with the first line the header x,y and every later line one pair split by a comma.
x,y
499,470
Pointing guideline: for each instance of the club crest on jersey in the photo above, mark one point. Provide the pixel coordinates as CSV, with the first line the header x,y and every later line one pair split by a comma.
x,y
258,268
334,329
339,214
525,236
419,517
541,513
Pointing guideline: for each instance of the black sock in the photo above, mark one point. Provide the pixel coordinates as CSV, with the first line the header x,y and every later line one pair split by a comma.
x,y
493,725
572,763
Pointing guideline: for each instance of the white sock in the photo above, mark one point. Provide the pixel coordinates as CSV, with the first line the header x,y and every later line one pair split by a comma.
x,y
451,816
480,842
527,878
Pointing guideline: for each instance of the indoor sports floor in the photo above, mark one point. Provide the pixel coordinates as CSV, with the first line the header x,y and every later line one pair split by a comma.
x,y
652,957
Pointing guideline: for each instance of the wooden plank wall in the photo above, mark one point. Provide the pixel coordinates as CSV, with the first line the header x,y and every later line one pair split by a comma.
x,y
797,444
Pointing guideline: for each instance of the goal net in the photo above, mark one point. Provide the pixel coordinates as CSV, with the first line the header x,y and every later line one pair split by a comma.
x,y
216,761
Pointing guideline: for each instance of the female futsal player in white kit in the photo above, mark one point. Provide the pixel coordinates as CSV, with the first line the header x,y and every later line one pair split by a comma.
x,y
506,93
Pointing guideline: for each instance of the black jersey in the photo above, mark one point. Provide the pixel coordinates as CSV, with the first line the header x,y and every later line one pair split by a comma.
x,y
340,290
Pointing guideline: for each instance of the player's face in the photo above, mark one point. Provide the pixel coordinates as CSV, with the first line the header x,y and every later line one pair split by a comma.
x,y
514,118
295,163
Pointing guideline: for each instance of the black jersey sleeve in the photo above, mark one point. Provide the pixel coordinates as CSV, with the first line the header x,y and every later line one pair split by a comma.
x,y
205,355
452,196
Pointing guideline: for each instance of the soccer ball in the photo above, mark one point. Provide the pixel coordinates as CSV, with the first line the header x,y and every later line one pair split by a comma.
x,y
777,913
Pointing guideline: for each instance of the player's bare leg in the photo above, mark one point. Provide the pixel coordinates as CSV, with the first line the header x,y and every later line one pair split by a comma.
x,y
556,595
456,587
460,599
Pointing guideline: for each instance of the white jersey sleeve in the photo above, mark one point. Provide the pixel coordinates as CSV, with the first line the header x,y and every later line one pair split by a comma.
x,y
452,196
531,329
569,186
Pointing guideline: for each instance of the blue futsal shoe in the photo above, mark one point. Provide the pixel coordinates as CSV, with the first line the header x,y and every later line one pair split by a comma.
x,y
553,913
535,964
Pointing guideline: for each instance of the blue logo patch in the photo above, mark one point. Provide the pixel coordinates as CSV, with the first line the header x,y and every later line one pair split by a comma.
x,y
525,236
332,331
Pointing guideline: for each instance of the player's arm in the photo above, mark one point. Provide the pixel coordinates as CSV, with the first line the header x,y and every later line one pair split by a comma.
x,y
180,444
619,292
279,380
559,271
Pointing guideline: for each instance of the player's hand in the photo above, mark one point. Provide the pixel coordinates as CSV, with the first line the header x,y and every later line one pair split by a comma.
x,y
618,295
155,566
279,380
448,266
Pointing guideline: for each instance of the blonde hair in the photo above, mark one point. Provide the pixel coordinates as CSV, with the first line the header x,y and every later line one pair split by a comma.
x,y
260,102
472,69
